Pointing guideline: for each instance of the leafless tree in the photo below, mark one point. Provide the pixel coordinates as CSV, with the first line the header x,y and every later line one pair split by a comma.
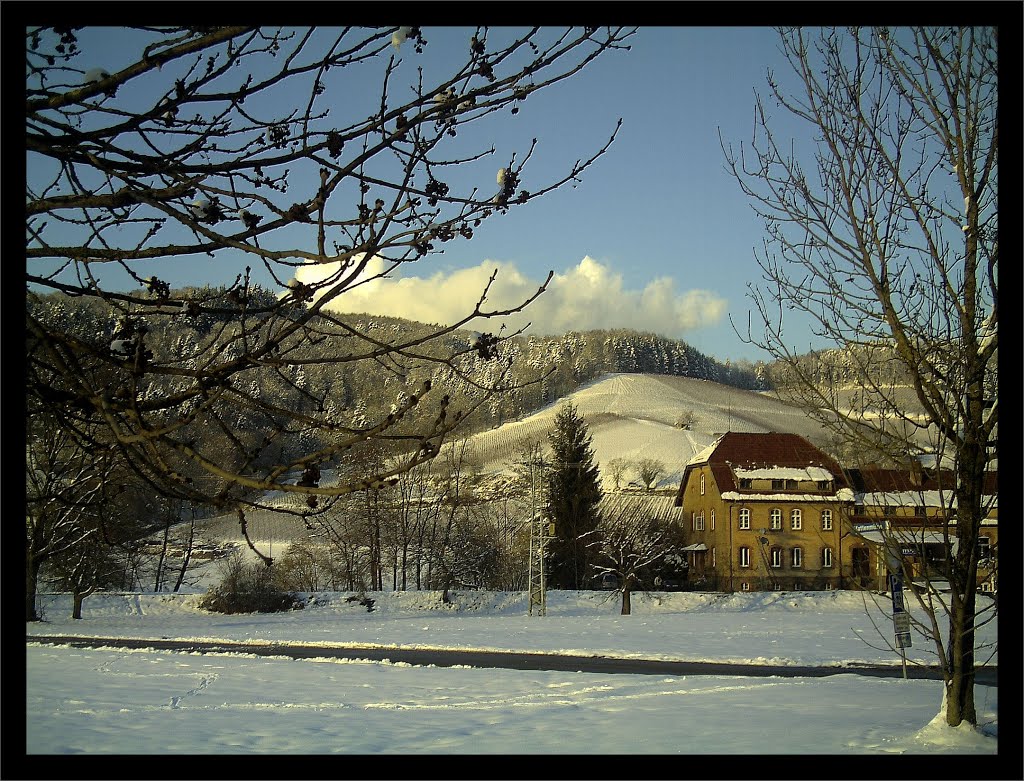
x,y
882,233
687,420
617,469
219,142
65,487
633,534
649,470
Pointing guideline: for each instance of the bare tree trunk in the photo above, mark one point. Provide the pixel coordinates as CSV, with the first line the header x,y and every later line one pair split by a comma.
x,y
187,557
31,579
627,602
960,684
79,596
163,556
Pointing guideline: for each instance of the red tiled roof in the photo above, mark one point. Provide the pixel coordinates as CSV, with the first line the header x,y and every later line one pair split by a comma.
x,y
900,480
764,451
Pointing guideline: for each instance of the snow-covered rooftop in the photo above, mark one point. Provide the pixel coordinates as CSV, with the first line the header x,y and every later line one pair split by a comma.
x,y
842,495
784,473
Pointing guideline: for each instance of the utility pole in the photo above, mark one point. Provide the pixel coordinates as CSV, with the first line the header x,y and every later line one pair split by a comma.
x,y
539,534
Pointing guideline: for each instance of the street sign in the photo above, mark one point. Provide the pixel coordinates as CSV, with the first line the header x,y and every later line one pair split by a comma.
x,y
896,591
901,622
900,617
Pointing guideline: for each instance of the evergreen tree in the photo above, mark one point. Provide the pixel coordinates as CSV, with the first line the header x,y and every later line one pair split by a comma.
x,y
573,494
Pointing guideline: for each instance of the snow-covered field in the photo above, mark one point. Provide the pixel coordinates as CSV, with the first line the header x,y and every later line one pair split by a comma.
x,y
141,702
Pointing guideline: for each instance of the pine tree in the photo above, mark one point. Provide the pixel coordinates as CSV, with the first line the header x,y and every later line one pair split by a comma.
x,y
573,494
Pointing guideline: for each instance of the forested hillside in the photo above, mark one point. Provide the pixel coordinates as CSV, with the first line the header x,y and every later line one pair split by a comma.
x,y
556,366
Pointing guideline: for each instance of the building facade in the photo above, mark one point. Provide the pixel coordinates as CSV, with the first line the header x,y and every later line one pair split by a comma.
x,y
765,512
911,516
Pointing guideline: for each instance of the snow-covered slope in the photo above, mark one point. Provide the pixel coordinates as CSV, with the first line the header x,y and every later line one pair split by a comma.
x,y
633,416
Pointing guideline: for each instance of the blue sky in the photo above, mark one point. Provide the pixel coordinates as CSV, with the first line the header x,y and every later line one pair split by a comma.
x,y
657,236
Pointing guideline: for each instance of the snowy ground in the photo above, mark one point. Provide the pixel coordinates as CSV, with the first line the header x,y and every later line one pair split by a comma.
x,y
105,702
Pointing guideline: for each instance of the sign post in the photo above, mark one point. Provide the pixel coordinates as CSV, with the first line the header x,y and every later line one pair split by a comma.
x,y
900,618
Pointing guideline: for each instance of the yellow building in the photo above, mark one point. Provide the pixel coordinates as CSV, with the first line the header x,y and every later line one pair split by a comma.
x,y
764,512
911,512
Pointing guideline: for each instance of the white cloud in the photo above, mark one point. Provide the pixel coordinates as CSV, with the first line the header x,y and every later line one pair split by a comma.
x,y
587,296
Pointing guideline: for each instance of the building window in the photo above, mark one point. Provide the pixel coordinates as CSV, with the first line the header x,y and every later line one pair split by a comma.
x,y
745,482
776,557
744,586
826,520
796,519
698,522
745,518
778,485
826,557
744,557
701,483
824,485
920,511
714,558
791,485
829,586
776,519
777,586
798,557
858,509
712,519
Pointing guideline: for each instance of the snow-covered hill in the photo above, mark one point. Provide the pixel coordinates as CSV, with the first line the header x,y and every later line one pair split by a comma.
x,y
632,416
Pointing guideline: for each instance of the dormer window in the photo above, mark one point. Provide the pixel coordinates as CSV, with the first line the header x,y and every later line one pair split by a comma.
x,y
824,485
778,485
791,485
746,482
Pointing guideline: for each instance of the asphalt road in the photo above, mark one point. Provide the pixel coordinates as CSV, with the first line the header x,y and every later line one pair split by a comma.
x,y
985,676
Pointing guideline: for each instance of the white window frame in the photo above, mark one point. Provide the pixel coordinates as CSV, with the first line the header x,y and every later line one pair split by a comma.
x,y
744,517
776,516
796,519
744,586
745,556
826,557
714,558
702,484
826,520
776,555
712,519
698,522
797,557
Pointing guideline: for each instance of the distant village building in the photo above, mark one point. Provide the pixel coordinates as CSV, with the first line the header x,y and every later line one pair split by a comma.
x,y
911,514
